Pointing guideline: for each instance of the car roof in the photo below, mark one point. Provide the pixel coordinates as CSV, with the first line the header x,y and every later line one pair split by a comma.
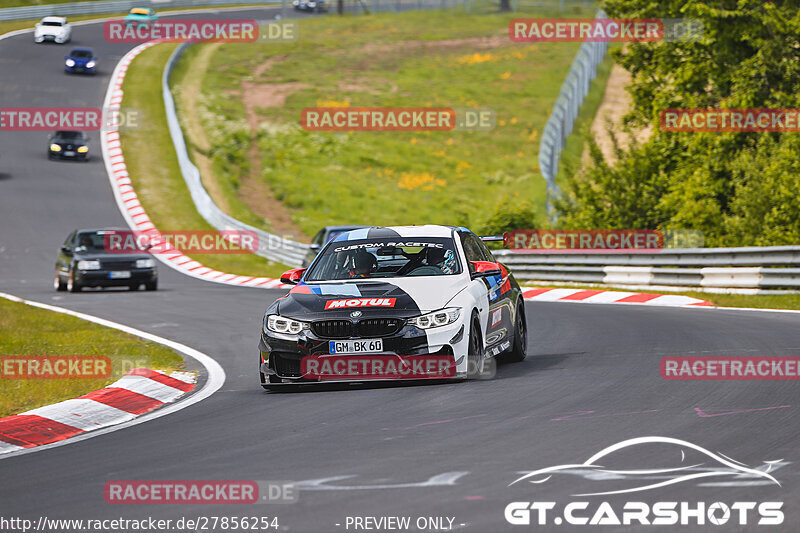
x,y
428,230
140,10
62,20
95,230
67,132
82,49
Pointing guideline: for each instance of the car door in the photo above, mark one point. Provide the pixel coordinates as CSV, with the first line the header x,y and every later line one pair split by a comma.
x,y
65,254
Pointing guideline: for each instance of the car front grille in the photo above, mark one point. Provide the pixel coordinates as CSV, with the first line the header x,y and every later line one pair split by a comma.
x,y
333,329
111,264
366,328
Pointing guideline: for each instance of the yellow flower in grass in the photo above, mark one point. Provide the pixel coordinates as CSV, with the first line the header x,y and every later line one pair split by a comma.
x,y
513,121
333,103
425,181
448,142
413,140
534,134
474,59
440,153
505,75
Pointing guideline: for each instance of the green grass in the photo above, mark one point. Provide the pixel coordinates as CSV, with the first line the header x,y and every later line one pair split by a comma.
x,y
153,166
27,330
759,301
389,178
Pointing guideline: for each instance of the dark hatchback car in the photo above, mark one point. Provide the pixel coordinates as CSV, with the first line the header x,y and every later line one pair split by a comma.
x,y
87,259
323,237
80,60
68,145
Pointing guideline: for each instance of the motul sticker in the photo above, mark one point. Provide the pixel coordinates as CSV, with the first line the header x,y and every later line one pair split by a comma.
x,y
360,302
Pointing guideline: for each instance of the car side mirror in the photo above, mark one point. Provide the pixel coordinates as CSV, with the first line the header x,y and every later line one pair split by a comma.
x,y
66,249
314,247
292,276
485,269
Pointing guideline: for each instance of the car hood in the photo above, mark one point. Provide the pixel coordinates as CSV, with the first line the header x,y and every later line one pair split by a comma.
x,y
50,30
102,256
398,297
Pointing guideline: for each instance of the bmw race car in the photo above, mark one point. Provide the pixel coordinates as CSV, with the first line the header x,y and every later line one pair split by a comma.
x,y
390,298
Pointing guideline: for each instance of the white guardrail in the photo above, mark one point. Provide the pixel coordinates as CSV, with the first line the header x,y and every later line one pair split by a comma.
x,y
273,247
719,268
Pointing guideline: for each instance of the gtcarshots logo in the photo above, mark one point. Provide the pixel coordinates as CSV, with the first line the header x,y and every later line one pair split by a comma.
x,y
695,464
360,302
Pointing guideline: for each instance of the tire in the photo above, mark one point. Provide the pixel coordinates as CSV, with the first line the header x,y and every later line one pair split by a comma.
x,y
58,284
475,359
72,285
151,286
133,287
519,347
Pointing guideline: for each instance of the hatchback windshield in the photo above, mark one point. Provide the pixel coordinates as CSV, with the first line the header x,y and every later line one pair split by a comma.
x,y
386,258
51,23
81,54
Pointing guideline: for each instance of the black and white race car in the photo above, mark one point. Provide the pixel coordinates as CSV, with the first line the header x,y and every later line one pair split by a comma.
x,y
415,302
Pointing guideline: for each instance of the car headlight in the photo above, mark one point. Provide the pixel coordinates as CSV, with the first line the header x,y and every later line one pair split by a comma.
x,y
280,324
143,263
90,64
55,148
83,149
70,62
89,265
435,319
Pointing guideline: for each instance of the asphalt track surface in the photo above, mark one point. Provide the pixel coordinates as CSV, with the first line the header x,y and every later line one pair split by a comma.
x,y
591,380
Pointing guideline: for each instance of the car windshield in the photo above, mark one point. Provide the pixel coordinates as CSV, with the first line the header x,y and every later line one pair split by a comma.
x,y
91,241
81,54
69,135
386,258
51,23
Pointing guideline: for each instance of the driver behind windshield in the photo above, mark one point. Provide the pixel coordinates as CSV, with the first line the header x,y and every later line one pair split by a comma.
x,y
364,263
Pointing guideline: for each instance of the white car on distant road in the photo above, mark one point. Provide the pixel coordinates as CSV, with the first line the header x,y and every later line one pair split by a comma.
x,y
55,29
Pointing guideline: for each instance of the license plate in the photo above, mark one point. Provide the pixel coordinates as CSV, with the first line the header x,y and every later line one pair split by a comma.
x,y
359,346
119,274
69,154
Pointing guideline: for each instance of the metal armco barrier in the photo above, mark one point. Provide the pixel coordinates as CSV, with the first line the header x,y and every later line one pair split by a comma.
x,y
566,109
753,268
273,247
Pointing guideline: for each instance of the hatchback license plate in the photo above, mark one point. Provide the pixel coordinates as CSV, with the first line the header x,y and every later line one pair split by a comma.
x,y
359,346
119,274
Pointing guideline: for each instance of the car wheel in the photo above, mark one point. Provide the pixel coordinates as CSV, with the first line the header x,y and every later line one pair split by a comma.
x,y
475,359
58,284
72,285
151,286
520,345
133,287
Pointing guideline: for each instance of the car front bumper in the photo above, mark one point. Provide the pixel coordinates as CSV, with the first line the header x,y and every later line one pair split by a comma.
x,y
79,69
109,278
282,357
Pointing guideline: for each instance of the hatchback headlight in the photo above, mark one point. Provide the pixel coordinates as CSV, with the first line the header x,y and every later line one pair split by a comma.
x,y
83,149
70,62
287,326
145,263
89,265
55,148
435,319
90,64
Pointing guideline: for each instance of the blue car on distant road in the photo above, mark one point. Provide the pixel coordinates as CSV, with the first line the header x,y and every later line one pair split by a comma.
x,y
80,60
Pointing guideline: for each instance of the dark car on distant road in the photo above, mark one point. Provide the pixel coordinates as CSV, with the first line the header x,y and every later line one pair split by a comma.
x,y
80,60
68,145
323,237
87,259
